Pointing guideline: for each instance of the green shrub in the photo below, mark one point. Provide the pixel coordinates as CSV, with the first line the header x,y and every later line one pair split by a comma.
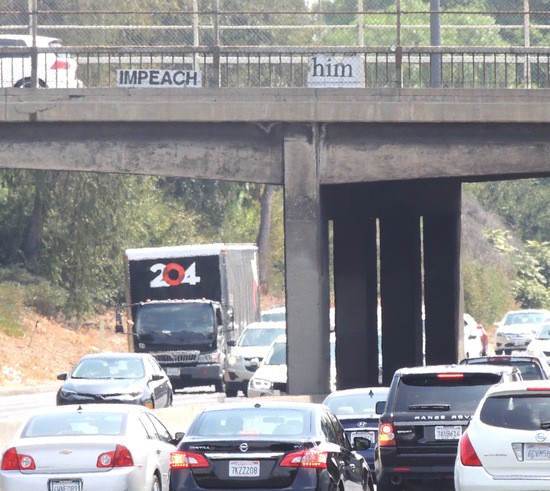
x,y
11,309
46,299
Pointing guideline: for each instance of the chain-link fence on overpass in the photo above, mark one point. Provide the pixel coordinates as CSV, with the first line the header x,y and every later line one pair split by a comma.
x,y
383,23
283,43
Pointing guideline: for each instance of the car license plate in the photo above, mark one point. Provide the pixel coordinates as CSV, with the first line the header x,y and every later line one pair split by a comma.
x,y
172,371
364,434
66,485
244,468
448,432
537,452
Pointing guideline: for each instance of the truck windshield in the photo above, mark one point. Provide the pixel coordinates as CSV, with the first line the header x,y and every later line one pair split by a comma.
x,y
177,318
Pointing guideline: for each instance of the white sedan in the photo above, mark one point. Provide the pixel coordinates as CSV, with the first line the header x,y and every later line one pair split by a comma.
x,y
114,447
507,443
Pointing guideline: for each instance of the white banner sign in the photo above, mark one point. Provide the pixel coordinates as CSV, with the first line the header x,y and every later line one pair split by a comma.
x,y
335,71
159,78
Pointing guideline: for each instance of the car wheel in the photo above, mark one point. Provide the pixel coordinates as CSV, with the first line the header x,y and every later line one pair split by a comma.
x,y
231,391
155,486
219,386
26,83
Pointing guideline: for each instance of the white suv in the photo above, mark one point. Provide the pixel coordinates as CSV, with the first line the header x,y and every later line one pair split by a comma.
x,y
247,353
518,328
55,70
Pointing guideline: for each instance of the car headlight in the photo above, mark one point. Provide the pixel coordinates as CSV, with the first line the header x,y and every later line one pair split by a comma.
x,y
67,393
261,384
209,358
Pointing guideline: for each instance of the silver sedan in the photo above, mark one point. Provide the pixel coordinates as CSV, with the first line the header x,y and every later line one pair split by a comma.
x,y
115,447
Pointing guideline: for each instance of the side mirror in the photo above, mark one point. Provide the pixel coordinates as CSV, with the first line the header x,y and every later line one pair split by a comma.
x,y
380,407
157,376
232,342
255,362
361,443
62,376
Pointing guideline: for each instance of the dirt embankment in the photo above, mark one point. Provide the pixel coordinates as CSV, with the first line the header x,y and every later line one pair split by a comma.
x,y
49,348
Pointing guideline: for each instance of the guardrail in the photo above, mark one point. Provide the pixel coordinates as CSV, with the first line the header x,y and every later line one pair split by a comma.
x,y
241,67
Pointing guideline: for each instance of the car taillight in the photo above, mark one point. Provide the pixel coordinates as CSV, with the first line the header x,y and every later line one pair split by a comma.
x,y
12,461
468,455
120,457
386,435
312,459
187,460
60,64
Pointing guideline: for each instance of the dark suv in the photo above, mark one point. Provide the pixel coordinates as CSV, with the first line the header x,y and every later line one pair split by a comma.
x,y
427,410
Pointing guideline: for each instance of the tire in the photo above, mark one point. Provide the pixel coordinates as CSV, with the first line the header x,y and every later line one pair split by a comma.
x,y
231,390
219,386
155,485
26,84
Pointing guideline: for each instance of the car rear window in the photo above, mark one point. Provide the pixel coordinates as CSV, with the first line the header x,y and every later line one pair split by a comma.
x,y
521,412
530,370
252,422
73,424
452,392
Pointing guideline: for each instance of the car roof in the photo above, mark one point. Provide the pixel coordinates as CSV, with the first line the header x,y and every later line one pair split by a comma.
x,y
429,369
93,408
28,38
520,387
266,325
116,355
358,391
271,404
501,359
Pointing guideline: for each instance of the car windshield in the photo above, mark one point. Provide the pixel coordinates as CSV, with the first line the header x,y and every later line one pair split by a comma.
x,y
104,368
277,355
73,424
364,403
456,393
524,318
178,318
260,337
520,412
253,422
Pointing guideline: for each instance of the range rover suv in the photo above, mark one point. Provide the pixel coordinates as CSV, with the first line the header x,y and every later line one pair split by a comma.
x,y
427,410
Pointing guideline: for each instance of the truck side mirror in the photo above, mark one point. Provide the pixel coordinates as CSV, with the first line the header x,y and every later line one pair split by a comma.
x,y
380,406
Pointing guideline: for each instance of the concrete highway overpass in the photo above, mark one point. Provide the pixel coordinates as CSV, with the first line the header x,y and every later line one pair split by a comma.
x,y
383,166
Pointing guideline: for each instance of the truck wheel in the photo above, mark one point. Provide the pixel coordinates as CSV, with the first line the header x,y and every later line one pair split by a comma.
x,y
231,391
219,386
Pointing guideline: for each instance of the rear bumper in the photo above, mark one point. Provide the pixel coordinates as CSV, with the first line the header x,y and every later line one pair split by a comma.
x,y
393,468
477,479
186,376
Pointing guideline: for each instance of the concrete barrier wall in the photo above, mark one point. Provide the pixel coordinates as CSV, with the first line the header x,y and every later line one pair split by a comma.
x,y
176,419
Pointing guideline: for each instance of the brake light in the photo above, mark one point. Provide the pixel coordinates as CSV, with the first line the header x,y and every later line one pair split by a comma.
x,y
60,64
187,460
120,457
312,459
386,435
12,461
450,375
468,455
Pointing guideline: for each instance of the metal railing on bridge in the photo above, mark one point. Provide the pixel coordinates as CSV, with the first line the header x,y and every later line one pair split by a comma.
x,y
283,67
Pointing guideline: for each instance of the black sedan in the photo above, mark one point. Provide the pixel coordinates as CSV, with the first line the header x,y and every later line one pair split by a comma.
x,y
263,445
127,378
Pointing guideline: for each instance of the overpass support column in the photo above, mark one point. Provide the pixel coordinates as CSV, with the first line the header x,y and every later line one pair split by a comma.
x,y
306,264
401,293
356,301
442,283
